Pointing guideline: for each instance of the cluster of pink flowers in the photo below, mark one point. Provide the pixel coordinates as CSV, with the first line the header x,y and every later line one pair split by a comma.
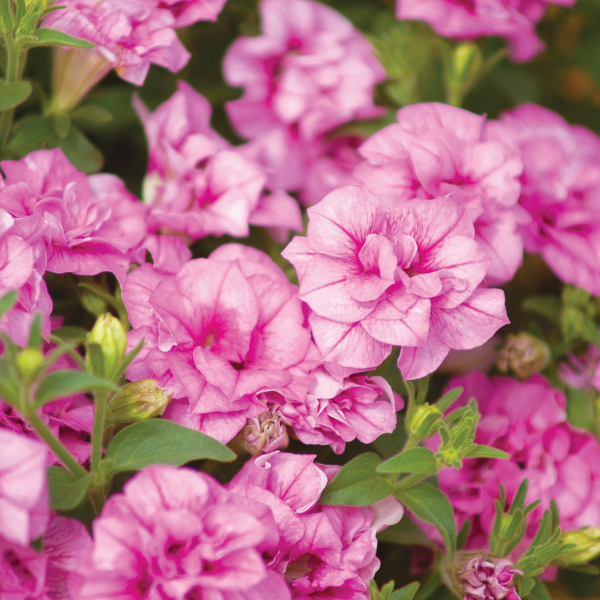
x,y
482,579
527,419
469,19
178,533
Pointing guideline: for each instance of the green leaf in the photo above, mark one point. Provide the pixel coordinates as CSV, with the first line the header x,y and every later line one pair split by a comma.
x,y
580,409
66,491
431,584
449,398
52,37
8,301
357,483
481,451
9,386
408,592
81,152
13,94
92,112
547,306
463,534
158,441
525,585
35,332
67,382
61,123
538,591
414,460
405,533
431,505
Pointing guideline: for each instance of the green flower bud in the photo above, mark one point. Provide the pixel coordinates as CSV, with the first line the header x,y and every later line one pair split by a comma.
x,y
28,363
523,354
109,334
424,422
587,540
138,401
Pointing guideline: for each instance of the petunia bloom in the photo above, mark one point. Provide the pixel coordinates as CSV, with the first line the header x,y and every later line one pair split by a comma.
x,y
309,72
325,551
560,198
90,223
188,12
468,19
178,533
438,151
489,578
197,184
377,276
218,333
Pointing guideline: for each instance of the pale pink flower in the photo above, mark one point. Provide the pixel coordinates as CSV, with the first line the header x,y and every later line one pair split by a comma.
x,y
23,572
339,409
129,35
468,19
377,275
309,72
560,198
90,223
527,419
437,150
24,505
325,551
178,533
22,267
187,12
488,579
197,184
217,333
168,252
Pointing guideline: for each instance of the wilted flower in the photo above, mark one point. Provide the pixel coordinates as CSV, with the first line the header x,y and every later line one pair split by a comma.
x,y
523,354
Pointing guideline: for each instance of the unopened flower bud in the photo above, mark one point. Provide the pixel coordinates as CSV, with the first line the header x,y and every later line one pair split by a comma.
x,y
524,355
138,401
262,434
108,332
480,575
28,363
424,421
587,541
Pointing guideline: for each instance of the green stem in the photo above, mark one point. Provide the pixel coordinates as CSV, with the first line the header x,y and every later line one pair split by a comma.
x,y
97,497
63,454
98,430
412,442
14,73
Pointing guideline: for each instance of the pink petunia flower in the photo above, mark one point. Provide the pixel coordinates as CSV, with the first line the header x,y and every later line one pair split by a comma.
x,y
527,419
469,19
129,36
560,198
90,223
217,333
325,551
177,533
309,72
197,184
339,409
22,267
377,276
24,504
437,150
